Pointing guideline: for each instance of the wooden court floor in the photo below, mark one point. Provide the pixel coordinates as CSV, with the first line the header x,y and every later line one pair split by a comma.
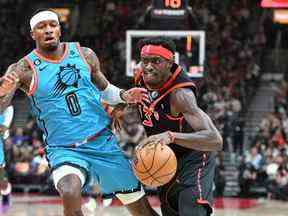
x,y
50,206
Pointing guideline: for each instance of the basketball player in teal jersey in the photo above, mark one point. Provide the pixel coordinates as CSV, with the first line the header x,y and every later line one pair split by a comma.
x,y
64,84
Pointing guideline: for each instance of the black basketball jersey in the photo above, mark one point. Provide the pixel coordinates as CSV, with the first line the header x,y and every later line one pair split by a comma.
x,y
156,116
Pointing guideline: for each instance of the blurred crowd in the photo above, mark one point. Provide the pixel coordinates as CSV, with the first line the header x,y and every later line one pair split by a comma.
x,y
235,38
25,156
266,163
13,36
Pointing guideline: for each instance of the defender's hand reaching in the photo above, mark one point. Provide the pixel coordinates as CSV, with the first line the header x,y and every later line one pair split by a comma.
x,y
135,95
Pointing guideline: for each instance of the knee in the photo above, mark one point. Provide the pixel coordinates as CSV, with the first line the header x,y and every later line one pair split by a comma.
x,y
68,193
69,188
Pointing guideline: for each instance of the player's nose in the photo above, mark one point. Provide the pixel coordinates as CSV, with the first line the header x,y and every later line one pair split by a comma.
x,y
149,67
48,29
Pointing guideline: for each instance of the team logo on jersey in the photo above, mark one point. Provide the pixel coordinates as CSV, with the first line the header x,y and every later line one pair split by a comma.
x,y
68,76
149,113
73,54
154,94
37,62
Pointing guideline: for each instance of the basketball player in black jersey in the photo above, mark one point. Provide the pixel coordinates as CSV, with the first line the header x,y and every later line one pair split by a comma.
x,y
173,118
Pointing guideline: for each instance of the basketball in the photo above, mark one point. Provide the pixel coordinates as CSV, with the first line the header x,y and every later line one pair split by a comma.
x,y
155,165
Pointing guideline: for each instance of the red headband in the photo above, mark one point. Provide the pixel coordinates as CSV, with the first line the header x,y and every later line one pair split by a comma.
x,y
156,50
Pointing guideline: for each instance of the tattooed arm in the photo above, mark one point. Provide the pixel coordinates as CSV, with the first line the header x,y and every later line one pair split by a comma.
x,y
111,94
8,85
18,75
97,76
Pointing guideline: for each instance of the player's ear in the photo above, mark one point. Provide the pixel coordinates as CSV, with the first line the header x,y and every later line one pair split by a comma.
x,y
32,34
60,32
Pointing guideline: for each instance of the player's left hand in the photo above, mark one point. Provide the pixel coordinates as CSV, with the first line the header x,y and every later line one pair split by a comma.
x,y
162,138
135,95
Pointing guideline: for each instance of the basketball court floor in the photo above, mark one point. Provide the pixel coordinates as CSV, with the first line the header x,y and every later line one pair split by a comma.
x,y
51,206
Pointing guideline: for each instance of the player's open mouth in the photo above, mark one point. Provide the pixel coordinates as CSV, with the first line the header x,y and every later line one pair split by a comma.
x,y
49,39
150,73
149,76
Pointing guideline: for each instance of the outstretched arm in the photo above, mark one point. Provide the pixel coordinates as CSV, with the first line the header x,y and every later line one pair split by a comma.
x,y
111,94
18,75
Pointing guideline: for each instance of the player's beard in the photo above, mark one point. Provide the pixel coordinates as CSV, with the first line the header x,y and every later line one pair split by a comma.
x,y
53,46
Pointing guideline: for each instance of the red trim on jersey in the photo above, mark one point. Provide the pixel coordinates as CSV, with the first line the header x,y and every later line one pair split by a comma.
x,y
148,111
39,55
201,201
204,203
156,50
179,119
82,56
172,78
34,81
180,85
199,173
173,118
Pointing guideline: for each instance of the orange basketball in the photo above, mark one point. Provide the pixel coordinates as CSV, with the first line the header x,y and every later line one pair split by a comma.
x,y
155,165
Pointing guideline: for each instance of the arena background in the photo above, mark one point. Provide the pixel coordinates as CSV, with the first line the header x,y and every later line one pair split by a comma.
x,y
244,89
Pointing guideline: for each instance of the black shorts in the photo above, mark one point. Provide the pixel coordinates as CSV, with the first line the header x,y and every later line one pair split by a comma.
x,y
190,193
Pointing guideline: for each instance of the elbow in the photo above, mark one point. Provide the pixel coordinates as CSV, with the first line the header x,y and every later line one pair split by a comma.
x,y
219,142
215,141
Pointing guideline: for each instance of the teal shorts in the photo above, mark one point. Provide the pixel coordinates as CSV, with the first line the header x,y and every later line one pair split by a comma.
x,y
2,157
102,162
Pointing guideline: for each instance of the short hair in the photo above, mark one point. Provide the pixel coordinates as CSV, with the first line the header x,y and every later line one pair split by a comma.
x,y
163,41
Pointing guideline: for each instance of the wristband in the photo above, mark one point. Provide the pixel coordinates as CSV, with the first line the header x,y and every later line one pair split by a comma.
x,y
111,95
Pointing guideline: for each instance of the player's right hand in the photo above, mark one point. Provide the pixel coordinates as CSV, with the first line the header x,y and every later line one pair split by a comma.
x,y
164,138
8,84
135,95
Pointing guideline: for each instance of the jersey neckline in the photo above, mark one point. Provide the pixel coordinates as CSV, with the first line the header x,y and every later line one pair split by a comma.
x,y
39,55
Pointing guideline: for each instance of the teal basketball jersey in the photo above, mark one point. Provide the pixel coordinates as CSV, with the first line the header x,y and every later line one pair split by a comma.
x,y
1,119
2,160
63,98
